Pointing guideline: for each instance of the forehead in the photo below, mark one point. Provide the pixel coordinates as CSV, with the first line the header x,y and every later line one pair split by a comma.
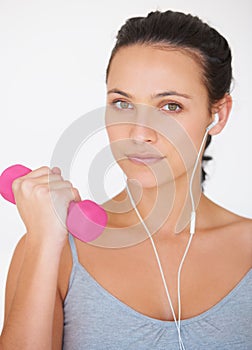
x,y
140,68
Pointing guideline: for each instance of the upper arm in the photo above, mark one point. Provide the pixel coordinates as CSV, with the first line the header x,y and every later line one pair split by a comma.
x,y
11,284
13,273
57,323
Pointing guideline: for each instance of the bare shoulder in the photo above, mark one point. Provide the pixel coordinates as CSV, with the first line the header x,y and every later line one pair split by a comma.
x,y
243,229
220,216
237,230
229,228
239,239
238,225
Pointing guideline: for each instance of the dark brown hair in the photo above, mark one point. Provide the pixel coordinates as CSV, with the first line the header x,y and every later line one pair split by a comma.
x,y
176,29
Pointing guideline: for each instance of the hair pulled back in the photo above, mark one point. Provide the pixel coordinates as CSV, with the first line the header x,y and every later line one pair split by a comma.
x,y
183,31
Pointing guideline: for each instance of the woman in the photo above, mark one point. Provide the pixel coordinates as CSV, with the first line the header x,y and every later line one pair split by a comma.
x,y
63,293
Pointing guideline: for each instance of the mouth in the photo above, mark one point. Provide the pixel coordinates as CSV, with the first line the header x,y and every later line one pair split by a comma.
x,y
144,158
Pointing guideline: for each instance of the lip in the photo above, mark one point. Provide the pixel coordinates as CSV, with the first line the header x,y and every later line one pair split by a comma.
x,y
145,158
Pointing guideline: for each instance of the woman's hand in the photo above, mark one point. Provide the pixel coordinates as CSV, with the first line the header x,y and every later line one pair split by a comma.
x,y
42,198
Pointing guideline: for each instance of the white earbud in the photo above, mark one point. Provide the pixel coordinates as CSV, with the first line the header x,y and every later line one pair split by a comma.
x,y
216,121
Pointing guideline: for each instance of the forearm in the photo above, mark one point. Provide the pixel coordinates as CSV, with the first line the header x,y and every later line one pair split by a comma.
x,y
29,323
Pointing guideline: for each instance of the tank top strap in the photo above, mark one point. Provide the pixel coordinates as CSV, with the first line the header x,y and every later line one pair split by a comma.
x,y
73,249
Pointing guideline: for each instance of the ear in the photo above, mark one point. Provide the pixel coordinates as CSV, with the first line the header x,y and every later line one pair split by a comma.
x,y
223,108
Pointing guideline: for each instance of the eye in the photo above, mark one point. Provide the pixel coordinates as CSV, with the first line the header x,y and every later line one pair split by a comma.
x,y
172,107
120,104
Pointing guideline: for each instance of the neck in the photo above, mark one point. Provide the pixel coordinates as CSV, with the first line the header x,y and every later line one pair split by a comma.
x,y
166,208
166,211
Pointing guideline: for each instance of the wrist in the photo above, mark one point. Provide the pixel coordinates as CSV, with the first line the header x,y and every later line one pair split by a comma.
x,y
45,244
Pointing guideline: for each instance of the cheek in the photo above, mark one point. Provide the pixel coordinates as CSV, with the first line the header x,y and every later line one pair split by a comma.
x,y
195,123
116,132
119,140
176,155
196,134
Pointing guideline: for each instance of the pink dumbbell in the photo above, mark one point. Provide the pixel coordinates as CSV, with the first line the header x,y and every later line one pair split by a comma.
x,y
86,220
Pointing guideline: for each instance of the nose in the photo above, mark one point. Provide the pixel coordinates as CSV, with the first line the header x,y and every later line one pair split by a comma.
x,y
142,134
141,130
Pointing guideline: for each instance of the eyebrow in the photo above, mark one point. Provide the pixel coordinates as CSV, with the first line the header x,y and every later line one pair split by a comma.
x,y
161,94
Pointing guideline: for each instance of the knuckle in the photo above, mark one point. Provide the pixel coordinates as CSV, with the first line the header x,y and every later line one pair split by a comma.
x,y
26,185
15,184
52,178
45,169
55,194
60,177
41,190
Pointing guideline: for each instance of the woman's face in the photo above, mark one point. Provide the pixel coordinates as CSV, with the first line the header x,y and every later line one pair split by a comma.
x,y
168,80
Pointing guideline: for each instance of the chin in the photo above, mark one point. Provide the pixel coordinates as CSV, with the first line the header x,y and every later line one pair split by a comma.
x,y
146,177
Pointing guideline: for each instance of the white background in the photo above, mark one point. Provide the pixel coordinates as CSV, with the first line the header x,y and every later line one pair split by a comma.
x,y
52,71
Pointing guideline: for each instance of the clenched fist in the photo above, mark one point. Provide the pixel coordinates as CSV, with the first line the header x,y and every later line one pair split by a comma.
x,y
42,198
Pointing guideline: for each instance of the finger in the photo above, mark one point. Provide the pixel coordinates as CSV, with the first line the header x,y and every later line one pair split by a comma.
x,y
54,185
39,175
44,179
51,178
29,184
56,170
77,197
63,194
44,170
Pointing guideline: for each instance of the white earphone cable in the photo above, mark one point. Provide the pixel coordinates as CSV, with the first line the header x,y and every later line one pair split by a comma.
x,y
193,172
192,231
159,265
192,227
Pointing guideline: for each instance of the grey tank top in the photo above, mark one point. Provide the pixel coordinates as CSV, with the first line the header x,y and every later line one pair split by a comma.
x,y
96,320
